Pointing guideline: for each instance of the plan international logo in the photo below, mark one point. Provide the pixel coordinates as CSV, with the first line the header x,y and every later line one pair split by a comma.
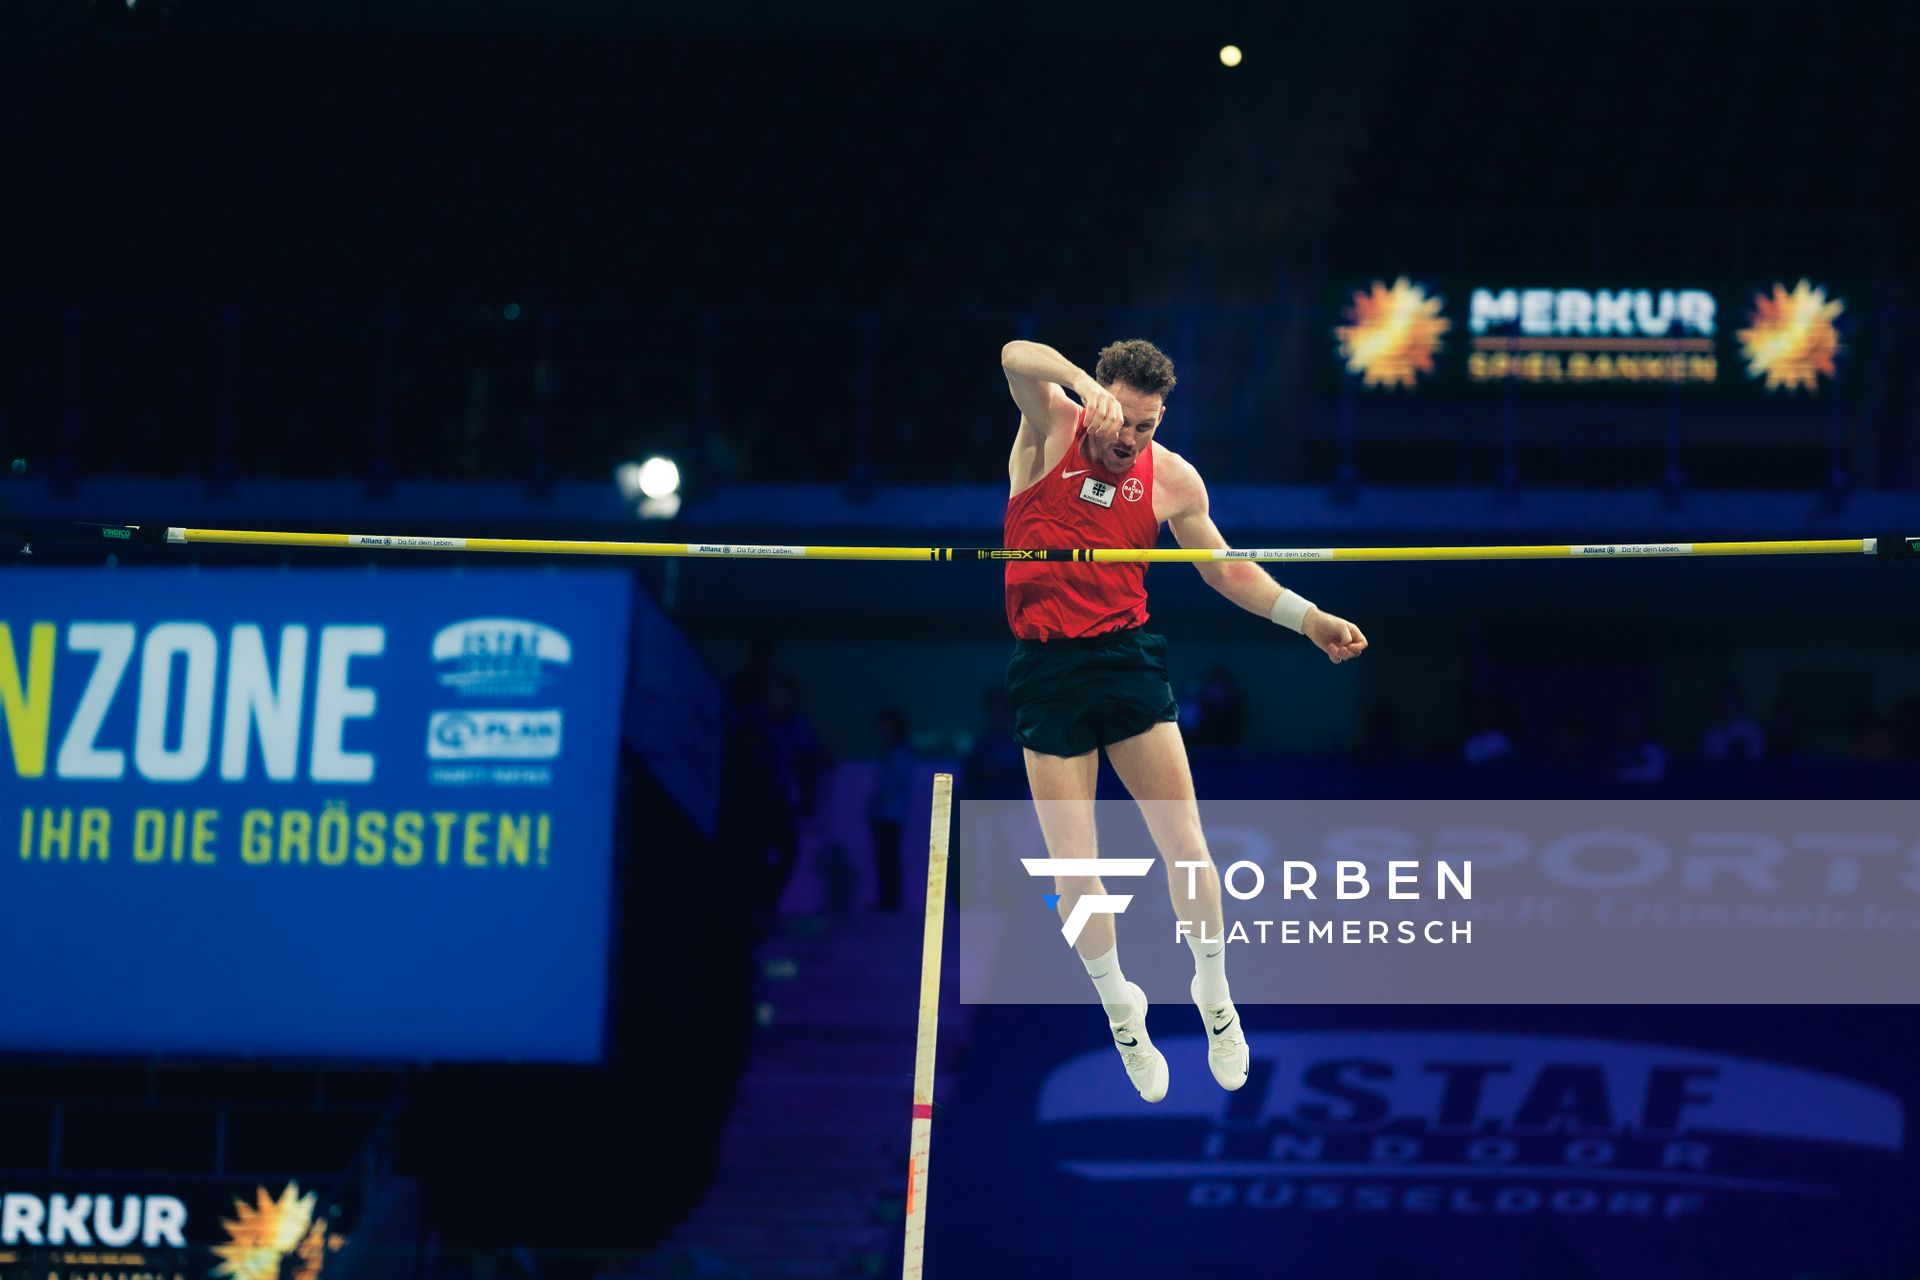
x,y
494,735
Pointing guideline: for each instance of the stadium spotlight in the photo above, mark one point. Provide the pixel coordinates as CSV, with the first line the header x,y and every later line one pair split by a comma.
x,y
659,477
654,484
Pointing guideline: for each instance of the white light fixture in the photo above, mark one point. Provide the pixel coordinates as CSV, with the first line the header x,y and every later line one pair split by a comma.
x,y
654,485
659,477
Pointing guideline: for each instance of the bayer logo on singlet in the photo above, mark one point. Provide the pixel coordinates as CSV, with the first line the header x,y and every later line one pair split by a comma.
x,y
1133,490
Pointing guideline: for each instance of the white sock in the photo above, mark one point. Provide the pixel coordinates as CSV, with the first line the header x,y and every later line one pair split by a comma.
x,y
1210,969
1111,984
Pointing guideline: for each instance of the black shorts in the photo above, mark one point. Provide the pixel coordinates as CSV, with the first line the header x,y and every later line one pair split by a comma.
x,y
1071,696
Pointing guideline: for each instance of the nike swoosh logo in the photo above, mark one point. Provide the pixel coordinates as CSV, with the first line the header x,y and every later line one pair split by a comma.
x,y
1218,1030
1068,475
1128,1043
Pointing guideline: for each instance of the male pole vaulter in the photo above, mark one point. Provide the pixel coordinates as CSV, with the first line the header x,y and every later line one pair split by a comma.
x,y
1086,675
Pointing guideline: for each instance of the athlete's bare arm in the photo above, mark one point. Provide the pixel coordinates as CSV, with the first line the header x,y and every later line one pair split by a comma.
x,y
1180,498
1039,378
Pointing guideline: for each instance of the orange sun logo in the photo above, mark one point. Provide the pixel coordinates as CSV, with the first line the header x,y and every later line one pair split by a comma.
x,y
1392,334
268,1232
1790,338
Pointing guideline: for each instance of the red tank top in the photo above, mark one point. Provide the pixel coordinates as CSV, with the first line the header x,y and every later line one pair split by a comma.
x,y
1079,503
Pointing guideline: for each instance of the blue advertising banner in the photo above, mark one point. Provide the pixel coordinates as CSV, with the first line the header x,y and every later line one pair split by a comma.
x,y
299,813
676,714
1456,1143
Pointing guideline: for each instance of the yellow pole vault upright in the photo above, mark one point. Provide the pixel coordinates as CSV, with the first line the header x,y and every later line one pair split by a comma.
x,y
1896,547
923,1049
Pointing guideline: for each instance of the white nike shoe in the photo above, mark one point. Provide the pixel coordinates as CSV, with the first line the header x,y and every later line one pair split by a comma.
x,y
1227,1054
1146,1067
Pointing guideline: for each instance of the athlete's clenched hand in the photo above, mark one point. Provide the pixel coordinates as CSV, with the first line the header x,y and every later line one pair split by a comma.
x,y
1337,638
1104,414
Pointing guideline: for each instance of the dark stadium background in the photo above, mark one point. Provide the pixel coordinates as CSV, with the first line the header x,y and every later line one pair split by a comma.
x,y
430,268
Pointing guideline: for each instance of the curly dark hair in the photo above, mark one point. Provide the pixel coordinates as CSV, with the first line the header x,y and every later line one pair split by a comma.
x,y
1139,364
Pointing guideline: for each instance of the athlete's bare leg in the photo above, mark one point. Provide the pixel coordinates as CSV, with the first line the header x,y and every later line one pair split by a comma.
x,y
1153,765
1063,788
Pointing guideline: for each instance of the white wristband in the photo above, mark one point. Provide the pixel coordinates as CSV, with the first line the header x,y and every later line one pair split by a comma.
x,y
1291,609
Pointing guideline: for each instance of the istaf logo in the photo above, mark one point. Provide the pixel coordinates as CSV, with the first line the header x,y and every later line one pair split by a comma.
x,y
499,657
1478,1123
